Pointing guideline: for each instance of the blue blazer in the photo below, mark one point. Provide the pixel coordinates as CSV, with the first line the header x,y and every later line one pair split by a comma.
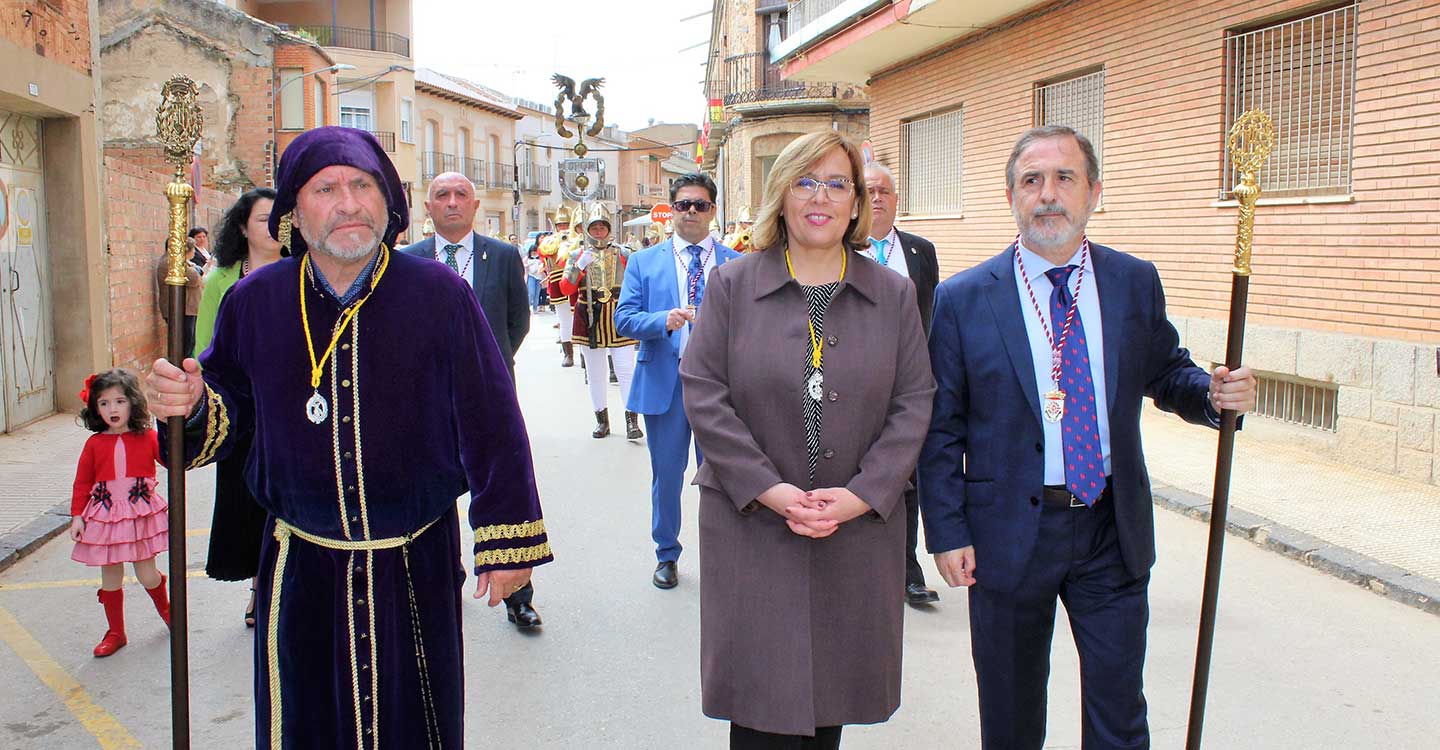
x,y
498,278
982,467
650,291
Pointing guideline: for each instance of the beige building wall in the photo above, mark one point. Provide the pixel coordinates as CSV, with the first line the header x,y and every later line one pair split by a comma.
x,y
61,90
469,132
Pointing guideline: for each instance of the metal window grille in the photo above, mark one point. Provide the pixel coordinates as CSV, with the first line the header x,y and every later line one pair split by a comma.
x,y
932,163
1302,73
1296,401
1077,102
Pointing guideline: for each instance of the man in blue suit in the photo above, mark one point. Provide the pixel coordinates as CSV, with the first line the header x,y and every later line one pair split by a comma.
x,y
497,276
1034,485
662,290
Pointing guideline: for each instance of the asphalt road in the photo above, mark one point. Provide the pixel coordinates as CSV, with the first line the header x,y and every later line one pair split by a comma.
x,y
1301,660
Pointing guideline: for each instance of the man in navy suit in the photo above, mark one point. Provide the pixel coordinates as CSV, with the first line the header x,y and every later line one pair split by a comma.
x,y
497,276
659,298
1033,481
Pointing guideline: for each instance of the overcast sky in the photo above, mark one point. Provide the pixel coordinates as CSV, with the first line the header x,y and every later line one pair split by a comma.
x,y
515,46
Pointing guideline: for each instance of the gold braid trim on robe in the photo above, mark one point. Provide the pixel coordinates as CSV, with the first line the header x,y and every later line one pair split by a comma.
x,y
512,555
217,427
509,531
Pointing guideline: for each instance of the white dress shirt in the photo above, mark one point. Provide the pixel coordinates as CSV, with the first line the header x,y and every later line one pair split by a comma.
x,y
463,257
681,254
1088,313
894,254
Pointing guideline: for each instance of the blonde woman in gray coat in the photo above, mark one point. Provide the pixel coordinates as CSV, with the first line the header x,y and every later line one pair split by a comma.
x,y
807,383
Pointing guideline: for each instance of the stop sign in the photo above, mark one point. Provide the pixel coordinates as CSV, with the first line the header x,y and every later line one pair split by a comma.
x,y
661,213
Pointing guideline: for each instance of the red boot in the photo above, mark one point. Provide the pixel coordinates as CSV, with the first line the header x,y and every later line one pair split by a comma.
x,y
114,640
161,599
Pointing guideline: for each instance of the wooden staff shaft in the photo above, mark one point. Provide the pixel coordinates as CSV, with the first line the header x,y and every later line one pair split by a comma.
x,y
179,195
1219,510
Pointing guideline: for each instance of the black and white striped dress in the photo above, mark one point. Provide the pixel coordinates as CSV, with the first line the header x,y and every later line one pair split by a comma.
x,y
818,301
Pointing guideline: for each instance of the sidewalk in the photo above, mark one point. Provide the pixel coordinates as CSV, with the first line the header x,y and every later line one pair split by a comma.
x,y
1374,530
37,469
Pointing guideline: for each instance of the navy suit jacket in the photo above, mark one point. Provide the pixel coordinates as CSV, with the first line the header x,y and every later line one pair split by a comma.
x,y
982,468
497,276
650,291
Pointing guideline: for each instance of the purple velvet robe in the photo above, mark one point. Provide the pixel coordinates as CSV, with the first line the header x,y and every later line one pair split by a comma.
x,y
421,407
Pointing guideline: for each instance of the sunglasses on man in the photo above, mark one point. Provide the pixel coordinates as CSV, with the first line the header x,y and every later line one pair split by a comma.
x,y
684,206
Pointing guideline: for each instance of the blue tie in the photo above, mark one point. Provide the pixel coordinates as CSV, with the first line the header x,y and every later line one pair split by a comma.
x,y
696,276
1080,429
879,246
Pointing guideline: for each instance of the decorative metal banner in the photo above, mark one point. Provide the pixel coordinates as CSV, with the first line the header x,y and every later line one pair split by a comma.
x,y
576,181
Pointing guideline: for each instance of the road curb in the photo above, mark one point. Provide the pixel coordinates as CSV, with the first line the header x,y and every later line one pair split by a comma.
x,y
1386,580
21,542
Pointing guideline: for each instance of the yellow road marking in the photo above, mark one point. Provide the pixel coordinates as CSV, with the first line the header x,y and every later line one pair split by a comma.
x,y
96,720
78,582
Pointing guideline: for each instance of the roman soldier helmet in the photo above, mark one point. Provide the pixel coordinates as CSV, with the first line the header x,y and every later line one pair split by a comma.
x,y
599,214
562,216
428,228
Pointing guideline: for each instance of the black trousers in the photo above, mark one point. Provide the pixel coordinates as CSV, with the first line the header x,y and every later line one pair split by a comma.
x,y
913,573
745,738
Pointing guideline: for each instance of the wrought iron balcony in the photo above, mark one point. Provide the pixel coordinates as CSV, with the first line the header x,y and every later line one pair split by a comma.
x,y
750,78
535,178
387,140
353,38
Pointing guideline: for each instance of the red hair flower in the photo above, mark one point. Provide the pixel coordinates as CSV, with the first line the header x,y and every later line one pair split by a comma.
x,y
85,392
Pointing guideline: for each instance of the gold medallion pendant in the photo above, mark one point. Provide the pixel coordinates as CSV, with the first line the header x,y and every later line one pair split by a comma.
x,y
1054,405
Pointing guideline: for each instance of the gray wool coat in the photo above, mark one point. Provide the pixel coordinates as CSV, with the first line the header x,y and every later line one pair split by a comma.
x,y
799,633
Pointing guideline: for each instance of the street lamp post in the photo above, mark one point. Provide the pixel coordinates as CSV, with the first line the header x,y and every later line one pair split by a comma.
x,y
275,95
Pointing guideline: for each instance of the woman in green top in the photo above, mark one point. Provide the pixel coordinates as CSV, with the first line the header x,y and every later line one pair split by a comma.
x,y
243,245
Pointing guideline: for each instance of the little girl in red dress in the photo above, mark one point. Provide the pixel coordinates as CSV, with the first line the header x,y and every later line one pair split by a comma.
x,y
118,515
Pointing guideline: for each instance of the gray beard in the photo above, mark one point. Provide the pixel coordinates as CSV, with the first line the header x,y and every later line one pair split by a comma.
x,y
1039,241
338,253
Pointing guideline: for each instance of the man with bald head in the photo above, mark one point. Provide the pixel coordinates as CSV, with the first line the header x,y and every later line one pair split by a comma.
x,y
911,256
375,395
491,267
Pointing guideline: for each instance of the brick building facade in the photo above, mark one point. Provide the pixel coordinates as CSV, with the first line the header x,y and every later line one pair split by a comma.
x,y
1343,319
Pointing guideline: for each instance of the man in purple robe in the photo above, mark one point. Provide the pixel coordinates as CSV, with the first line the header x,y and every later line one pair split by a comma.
x,y
375,394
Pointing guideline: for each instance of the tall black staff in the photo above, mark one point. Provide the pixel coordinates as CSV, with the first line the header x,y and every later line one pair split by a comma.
x,y
1251,138
177,123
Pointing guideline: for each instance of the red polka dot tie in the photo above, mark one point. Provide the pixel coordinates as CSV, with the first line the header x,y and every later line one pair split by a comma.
x,y
1079,429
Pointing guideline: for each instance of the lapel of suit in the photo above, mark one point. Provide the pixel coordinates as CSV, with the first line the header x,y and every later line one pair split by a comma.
x,y
1113,308
1009,319
913,263
479,262
666,268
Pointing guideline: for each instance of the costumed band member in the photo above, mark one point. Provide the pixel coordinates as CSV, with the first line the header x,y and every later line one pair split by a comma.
x,y
492,268
664,285
1033,485
118,516
360,447
553,253
237,525
594,274
738,239
913,257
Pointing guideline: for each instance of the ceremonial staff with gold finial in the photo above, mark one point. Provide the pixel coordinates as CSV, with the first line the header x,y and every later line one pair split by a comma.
x,y
177,123
1250,141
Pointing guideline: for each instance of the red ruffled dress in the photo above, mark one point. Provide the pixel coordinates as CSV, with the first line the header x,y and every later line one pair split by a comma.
x,y
125,518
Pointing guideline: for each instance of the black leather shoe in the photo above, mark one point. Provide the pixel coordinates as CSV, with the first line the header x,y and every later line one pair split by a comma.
x,y
602,424
632,426
917,593
523,615
666,577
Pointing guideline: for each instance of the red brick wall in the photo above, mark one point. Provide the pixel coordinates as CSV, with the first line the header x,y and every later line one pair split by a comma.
x,y
306,59
1368,267
137,218
58,30
252,131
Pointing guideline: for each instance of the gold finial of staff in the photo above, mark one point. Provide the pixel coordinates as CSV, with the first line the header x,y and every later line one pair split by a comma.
x,y
177,122
1251,139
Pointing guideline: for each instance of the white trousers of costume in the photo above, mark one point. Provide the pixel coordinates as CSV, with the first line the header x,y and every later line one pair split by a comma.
x,y
624,359
567,321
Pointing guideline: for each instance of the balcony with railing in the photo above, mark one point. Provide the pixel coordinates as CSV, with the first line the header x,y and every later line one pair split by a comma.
x,y
353,38
535,178
387,140
500,176
750,78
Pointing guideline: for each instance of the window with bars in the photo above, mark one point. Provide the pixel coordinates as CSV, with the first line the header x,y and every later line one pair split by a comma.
x,y
932,164
1308,403
1302,73
1076,101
